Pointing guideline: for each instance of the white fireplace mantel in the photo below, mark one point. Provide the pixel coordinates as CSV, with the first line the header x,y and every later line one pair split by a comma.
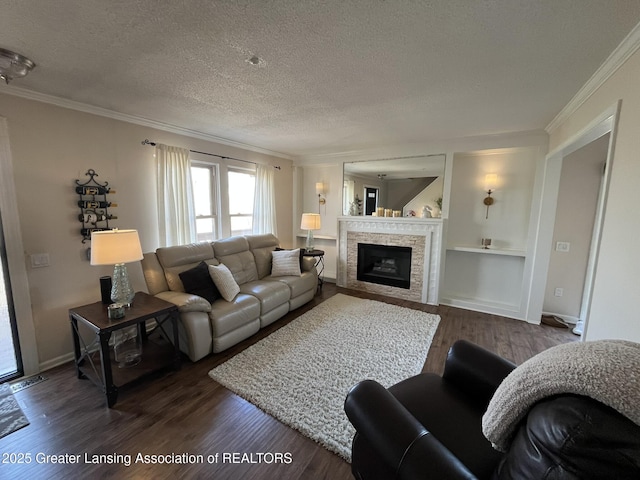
x,y
425,234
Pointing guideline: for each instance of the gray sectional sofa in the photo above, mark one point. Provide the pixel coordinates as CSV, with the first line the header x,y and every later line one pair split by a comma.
x,y
213,327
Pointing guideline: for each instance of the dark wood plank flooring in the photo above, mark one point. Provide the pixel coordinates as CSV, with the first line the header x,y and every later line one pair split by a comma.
x,y
186,412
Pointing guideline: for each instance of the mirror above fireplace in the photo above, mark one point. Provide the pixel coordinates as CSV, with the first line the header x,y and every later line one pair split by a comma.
x,y
403,184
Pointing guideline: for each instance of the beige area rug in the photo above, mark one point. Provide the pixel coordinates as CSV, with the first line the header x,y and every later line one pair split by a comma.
x,y
11,416
302,373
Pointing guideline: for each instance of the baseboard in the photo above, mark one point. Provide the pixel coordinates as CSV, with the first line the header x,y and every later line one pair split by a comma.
x,y
56,362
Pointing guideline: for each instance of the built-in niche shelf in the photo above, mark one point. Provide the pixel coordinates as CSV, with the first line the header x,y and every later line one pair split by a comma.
x,y
489,251
319,237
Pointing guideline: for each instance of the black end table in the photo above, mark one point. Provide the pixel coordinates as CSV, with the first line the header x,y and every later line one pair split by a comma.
x,y
319,256
95,360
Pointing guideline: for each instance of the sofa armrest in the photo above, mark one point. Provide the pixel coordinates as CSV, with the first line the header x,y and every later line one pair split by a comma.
x,y
186,302
400,440
475,370
308,264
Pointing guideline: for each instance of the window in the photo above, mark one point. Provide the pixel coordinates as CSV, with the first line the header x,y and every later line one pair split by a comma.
x,y
204,180
241,191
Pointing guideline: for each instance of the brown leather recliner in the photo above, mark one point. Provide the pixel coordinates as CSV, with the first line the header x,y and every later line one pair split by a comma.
x,y
429,426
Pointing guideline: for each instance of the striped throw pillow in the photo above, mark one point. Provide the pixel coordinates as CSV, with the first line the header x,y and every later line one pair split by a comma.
x,y
285,262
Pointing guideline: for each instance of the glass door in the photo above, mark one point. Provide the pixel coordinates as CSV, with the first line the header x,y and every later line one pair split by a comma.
x,y
10,358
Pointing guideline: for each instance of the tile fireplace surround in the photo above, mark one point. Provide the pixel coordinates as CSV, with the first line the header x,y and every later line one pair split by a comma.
x,y
424,236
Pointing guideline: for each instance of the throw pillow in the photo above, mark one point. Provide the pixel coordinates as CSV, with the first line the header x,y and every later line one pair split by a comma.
x,y
223,278
197,281
285,262
278,249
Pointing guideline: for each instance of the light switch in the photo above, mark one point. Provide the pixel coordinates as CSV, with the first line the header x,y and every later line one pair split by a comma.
x,y
39,260
562,246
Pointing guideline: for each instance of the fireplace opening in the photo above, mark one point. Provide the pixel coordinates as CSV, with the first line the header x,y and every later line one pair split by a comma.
x,y
384,265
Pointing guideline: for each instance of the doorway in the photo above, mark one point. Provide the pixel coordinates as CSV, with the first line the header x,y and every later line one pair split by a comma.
x,y
603,130
370,200
15,286
10,358
579,191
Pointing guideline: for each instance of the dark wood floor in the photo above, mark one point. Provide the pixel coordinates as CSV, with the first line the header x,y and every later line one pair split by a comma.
x,y
187,412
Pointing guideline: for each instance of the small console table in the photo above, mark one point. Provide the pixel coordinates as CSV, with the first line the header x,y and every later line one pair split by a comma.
x,y
319,256
94,359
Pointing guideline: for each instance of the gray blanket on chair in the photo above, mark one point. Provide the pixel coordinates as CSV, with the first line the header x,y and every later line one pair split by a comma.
x,y
606,370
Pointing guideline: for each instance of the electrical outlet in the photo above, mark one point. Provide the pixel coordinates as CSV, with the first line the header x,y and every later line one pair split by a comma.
x,y
562,246
558,292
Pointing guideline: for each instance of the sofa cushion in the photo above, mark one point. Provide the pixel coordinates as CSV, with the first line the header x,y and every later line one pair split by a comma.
x,y
298,285
224,281
226,317
235,254
285,262
198,281
179,258
261,247
270,294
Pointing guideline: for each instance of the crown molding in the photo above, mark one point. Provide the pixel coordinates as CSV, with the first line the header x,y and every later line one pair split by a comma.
x,y
618,57
528,138
145,122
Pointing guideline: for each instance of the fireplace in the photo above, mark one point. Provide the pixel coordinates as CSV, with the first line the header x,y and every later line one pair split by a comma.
x,y
384,265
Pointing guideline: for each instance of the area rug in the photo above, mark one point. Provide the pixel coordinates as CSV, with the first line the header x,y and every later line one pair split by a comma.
x,y
301,373
11,416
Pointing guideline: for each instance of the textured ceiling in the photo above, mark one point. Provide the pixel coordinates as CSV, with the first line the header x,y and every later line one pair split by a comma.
x,y
334,76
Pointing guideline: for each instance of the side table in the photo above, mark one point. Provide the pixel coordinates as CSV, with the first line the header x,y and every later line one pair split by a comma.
x,y
319,256
94,359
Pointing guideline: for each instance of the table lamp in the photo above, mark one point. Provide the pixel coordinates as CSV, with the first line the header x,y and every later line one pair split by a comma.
x,y
117,247
310,222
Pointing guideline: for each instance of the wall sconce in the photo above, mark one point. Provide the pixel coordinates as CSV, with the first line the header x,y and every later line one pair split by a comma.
x,y
320,192
490,181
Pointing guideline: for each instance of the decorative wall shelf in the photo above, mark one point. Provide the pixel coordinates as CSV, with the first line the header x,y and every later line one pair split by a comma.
x,y
94,206
489,251
317,237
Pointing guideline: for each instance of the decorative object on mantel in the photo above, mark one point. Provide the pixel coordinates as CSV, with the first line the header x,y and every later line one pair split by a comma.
x,y
310,222
426,211
490,181
13,65
94,207
117,247
358,202
486,243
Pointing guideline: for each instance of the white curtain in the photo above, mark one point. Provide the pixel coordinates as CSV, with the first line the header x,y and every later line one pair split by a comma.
x,y
176,212
264,201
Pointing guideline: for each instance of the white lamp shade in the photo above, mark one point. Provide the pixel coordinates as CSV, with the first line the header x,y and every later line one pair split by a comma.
x,y
310,221
319,188
490,181
111,247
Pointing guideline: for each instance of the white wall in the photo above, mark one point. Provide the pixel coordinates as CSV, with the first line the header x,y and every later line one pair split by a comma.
x,y
53,146
614,309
